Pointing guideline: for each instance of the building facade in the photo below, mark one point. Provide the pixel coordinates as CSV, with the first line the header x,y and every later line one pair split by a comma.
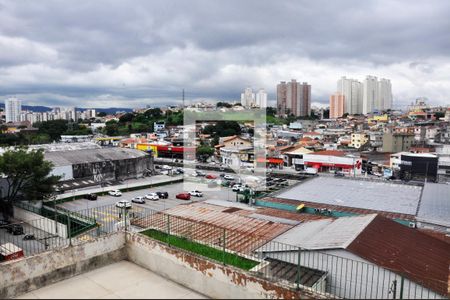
x,y
337,101
261,98
352,91
397,142
13,107
248,98
294,98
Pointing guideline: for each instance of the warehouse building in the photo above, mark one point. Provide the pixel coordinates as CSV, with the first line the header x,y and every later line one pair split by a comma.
x,y
95,166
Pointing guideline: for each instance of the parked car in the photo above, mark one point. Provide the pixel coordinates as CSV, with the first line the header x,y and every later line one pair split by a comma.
x,y
162,195
222,174
138,199
123,204
91,196
152,196
179,171
200,173
196,193
211,176
14,229
166,167
183,196
115,193
4,223
228,177
339,174
237,187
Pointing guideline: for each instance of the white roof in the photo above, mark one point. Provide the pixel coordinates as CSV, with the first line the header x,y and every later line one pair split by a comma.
x,y
373,195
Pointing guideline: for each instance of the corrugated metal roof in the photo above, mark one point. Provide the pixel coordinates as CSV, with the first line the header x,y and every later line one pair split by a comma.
x,y
380,196
415,255
205,222
353,210
435,204
326,234
67,158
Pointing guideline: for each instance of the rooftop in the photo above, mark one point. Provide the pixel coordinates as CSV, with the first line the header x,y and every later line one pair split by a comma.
x,y
435,205
64,158
119,280
379,196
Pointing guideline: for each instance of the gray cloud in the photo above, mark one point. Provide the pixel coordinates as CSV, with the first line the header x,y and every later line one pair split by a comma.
x,y
142,52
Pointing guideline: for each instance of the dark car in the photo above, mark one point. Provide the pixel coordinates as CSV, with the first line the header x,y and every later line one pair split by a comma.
x,y
4,223
163,195
184,196
339,174
91,196
15,229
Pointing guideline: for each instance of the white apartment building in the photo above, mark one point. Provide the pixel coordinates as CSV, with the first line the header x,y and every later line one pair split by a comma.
x,y
248,98
370,94
261,98
352,90
13,107
384,94
364,98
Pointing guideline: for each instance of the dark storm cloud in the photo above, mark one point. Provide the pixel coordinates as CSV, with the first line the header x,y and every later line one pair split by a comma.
x,y
215,48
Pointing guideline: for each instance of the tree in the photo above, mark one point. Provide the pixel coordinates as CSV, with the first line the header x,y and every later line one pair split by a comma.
x,y
271,111
224,104
101,114
128,117
203,152
27,177
153,112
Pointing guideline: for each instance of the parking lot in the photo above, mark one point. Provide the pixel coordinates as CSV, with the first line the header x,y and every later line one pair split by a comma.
x,y
42,240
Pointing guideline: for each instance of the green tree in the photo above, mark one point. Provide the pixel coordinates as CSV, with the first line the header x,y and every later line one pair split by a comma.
x,y
128,117
53,128
101,114
153,113
203,152
27,177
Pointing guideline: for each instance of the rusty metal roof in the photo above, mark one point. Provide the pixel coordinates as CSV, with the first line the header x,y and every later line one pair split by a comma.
x,y
206,223
406,251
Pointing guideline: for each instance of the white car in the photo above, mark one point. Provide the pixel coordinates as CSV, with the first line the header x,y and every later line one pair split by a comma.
x,y
166,167
115,193
237,188
152,196
228,177
138,199
196,193
123,204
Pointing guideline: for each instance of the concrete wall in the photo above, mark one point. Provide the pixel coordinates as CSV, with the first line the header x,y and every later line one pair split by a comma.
x,y
41,222
209,278
27,274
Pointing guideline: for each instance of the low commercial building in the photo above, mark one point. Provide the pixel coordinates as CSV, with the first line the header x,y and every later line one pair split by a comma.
x,y
99,165
333,160
418,166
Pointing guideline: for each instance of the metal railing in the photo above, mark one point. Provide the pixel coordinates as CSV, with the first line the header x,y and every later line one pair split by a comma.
x,y
333,273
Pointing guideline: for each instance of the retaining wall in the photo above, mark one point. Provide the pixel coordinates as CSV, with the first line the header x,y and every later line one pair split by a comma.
x,y
204,276
30,273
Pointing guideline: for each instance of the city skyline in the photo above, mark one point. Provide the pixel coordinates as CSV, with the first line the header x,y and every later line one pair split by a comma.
x,y
134,55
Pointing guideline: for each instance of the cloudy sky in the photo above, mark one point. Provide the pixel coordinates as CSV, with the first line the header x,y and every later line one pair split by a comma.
x,y
136,53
